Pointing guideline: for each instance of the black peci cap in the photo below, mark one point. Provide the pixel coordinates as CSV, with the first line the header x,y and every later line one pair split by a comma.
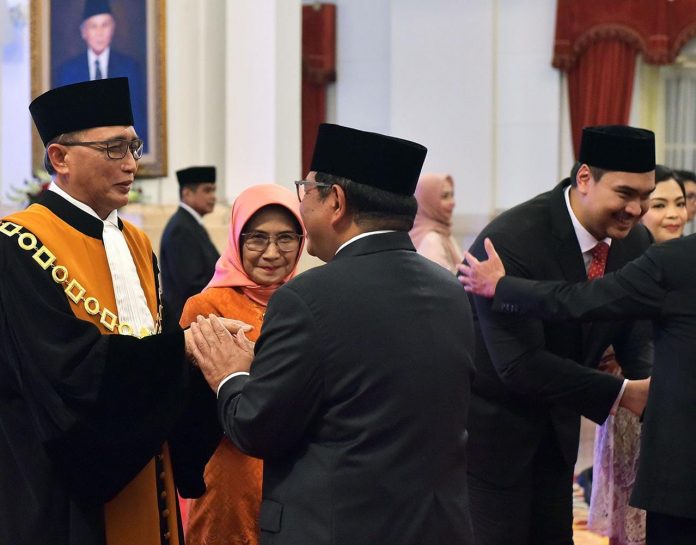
x,y
196,175
368,158
95,7
618,147
98,103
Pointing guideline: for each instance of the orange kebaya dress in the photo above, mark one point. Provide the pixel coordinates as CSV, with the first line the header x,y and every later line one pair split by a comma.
x,y
228,511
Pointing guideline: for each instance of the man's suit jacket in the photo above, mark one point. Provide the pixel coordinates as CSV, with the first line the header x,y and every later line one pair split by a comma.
x,y
660,285
76,69
187,259
533,375
357,402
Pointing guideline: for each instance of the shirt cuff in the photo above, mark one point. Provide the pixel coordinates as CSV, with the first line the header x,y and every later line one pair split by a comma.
x,y
614,407
228,377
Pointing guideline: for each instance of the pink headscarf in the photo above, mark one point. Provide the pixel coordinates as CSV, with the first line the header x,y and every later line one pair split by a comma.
x,y
430,216
229,271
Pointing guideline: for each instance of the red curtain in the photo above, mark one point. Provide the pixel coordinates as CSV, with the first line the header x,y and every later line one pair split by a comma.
x,y
597,42
318,70
600,87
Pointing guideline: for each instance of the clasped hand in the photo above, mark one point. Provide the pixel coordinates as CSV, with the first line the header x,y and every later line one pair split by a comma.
x,y
219,347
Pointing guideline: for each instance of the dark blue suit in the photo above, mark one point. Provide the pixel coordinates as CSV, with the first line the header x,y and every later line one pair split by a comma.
x,y
76,69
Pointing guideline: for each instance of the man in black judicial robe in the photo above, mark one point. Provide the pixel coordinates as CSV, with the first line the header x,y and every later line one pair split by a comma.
x,y
659,285
535,378
187,254
358,395
83,412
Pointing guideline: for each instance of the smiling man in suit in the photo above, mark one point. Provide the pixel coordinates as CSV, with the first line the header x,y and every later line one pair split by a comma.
x,y
535,378
187,254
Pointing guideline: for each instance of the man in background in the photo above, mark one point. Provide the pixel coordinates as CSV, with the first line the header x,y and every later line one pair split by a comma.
x,y
101,61
187,254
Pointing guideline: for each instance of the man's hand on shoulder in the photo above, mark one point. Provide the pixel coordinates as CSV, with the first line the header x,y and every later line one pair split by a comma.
x,y
481,277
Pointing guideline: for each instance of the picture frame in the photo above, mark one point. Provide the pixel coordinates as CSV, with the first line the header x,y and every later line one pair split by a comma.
x,y
137,50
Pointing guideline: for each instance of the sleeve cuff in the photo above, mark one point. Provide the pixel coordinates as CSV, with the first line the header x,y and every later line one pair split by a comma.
x,y
238,373
614,407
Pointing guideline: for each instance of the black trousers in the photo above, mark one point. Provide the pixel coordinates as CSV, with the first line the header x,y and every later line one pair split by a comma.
x,y
537,510
667,530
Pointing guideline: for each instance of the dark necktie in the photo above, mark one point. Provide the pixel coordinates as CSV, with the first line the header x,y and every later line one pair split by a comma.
x,y
599,261
97,70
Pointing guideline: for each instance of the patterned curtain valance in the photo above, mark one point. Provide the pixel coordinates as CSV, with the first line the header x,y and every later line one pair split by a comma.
x,y
656,28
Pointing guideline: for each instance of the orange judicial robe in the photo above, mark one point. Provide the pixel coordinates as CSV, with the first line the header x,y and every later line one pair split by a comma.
x,y
228,511
144,512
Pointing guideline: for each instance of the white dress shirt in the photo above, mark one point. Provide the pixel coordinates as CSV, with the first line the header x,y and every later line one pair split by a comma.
x,y
587,243
103,63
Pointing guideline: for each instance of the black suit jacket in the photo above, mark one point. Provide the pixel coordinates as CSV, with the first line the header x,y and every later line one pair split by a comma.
x,y
535,376
660,285
187,257
357,402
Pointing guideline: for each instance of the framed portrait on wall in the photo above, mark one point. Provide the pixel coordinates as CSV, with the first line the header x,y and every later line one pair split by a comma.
x,y
84,40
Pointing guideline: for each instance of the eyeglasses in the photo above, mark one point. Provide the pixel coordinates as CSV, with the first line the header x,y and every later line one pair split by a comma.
x,y
258,242
115,149
302,190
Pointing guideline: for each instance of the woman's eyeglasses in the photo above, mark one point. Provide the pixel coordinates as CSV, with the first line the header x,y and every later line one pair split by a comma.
x,y
258,242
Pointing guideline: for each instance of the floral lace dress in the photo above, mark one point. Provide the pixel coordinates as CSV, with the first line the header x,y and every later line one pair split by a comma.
x,y
617,444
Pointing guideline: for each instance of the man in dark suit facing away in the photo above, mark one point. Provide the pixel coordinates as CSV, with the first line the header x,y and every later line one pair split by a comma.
x,y
358,394
101,61
187,255
535,378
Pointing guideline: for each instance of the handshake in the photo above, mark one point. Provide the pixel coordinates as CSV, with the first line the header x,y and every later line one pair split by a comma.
x,y
219,347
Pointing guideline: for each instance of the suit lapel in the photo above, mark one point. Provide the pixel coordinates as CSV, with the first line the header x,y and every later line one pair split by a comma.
x,y
567,249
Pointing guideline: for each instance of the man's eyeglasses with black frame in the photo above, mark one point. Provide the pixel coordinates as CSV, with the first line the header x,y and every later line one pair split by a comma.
x,y
257,241
302,190
115,149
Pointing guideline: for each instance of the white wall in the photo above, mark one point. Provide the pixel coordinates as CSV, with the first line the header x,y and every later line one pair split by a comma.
x,y
263,93
442,91
470,79
528,110
15,127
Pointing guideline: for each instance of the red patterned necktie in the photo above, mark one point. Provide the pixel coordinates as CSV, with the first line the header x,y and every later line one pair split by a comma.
x,y
599,261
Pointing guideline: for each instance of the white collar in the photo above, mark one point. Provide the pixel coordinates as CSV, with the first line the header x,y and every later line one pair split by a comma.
x,y
585,238
111,218
362,235
191,211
